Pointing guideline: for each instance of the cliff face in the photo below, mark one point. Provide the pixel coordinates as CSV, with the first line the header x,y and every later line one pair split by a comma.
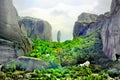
x,y
109,25
110,32
13,43
36,28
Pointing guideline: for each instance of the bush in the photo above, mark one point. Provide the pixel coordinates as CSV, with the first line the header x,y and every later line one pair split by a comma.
x,y
70,52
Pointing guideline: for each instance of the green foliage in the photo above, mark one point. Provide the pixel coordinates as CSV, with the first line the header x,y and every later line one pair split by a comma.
x,y
70,52
2,76
63,73
63,57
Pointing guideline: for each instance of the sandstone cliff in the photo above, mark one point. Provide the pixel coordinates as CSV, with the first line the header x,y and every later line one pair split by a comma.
x,y
13,43
36,28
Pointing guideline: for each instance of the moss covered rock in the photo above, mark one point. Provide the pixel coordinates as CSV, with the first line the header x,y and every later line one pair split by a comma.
x,y
24,63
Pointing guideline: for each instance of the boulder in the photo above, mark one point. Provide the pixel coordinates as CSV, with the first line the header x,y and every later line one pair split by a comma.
x,y
25,64
36,28
12,40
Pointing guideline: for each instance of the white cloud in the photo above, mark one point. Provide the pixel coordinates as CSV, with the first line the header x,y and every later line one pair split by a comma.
x,y
61,14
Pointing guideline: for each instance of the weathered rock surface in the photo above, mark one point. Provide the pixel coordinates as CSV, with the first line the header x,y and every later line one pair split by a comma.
x,y
24,63
85,20
89,24
109,25
12,40
110,32
36,28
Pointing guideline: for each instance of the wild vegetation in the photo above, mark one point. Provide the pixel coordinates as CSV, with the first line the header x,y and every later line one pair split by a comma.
x,y
64,59
70,52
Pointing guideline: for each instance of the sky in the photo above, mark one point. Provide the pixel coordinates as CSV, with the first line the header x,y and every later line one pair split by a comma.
x,y
61,14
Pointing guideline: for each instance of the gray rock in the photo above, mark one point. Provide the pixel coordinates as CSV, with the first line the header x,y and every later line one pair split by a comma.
x,y
59,36
111,32
109,25
24,63
12,40
87,18
89,26
36,28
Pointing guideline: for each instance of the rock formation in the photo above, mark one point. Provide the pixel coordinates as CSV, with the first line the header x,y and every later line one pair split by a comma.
x,y
89,24
36,28
87,18
110,32
58,36
13,43
82,24
109,25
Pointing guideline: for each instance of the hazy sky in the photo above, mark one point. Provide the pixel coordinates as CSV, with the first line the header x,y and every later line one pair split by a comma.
x,y
61,14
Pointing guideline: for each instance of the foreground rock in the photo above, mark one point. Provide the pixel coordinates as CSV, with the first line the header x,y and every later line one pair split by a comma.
x,y
13,43
36,28
25,64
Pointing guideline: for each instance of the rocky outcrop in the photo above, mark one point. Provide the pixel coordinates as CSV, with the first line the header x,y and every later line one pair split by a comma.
x,y
36,28
13,42
89,24
109,25
85,20
24,63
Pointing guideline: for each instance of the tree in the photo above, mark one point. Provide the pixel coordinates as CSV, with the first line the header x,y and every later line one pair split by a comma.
x,y
58,36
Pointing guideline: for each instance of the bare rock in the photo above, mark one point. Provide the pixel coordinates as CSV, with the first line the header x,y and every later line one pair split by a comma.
x,y
85,24
12,40
87,18
36,28
111,32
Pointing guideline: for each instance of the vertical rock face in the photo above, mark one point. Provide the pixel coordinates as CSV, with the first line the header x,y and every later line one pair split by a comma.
x,y
13,43
36,28
109,25
111,32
